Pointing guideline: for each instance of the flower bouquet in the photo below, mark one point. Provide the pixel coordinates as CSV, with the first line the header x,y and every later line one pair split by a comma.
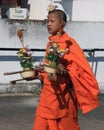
x,y
52,57
26,59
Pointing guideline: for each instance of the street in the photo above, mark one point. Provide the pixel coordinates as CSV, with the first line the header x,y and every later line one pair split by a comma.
x,y
17,113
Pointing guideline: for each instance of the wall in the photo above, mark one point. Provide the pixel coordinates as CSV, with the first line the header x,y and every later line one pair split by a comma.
x,y
89,35
88,10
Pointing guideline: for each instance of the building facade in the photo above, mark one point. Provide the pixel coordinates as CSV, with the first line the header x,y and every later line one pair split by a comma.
x,y
85,24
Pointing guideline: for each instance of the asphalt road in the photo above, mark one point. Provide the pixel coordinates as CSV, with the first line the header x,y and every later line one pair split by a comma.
x,y
17,113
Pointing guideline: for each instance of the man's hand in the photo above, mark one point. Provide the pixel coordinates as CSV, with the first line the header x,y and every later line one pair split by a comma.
x,y
52,76
61,69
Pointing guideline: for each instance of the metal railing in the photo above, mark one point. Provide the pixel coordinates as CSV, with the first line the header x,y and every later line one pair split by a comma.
x,y
16,49
90,56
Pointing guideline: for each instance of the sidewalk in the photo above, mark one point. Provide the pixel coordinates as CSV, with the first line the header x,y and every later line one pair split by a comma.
x,y
17,113
94,120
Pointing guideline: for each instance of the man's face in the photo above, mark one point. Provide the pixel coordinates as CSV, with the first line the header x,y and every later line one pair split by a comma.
x,y
54,24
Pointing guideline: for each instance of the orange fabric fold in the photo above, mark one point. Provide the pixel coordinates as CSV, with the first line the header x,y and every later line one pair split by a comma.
x,y
55,125
83,79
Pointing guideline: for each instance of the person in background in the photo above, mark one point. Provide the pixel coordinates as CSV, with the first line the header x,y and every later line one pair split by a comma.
x,y
73,86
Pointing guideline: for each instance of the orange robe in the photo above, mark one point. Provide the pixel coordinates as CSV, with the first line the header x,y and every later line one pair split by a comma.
x,y
56,109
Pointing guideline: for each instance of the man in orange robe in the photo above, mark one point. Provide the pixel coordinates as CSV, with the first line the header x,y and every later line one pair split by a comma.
x,y
64,93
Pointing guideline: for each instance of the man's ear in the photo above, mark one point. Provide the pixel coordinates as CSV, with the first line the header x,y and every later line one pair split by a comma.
x,y
63,23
